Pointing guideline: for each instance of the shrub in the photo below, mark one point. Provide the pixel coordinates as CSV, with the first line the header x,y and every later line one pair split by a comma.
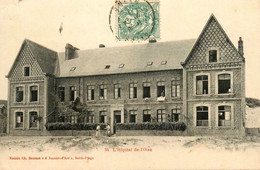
x,y
73,126
152,126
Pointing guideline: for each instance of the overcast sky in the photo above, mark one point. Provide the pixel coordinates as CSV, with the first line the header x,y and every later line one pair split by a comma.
x,y
86,25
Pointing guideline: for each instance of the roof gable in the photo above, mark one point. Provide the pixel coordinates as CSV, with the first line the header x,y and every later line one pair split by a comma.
x,y
212,37
40,59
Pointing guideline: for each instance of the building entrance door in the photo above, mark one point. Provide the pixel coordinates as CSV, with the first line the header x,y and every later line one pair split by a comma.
x,y
117,118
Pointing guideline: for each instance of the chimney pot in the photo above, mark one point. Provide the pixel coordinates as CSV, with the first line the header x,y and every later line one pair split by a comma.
x,y
240,47
70,51
102,46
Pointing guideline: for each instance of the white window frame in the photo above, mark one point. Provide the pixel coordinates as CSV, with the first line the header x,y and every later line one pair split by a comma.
x,y
75,92
232,114
231,82
89,94
14,124
195,115
23,93
195,83
117,86
28,122
218,54
176,86
29,93
132,85
105,92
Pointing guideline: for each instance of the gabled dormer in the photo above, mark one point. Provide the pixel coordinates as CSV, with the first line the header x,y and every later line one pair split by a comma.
x,y
213,48
32,61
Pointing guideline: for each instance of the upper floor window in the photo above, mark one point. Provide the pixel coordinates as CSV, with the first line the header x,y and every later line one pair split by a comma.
x,y
33,116
18,119
91,92
176,87
224,116
133,91
212,55
61,93
133,114
26,71
176,114
103,92
224,83
33,93
72,93
161,116
19,94
117,91
202,116
146,90
161,89
201,84
147,116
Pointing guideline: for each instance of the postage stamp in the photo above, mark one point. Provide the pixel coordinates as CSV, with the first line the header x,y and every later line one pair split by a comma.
x,y
137,20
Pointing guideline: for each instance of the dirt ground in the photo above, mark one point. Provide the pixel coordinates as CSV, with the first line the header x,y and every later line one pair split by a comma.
x,y
139,152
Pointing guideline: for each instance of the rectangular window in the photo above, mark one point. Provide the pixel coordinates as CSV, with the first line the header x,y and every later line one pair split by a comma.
x,y
176,92
26,71
103,92
117,91
224,83
147,116
202,84
19,94
146,90
91,117
160,89
91,92
133,114
202,116
61,93
133,91
161,115
18,119
33,116
176,114
212,55
103,117
72,93
224,116
33,93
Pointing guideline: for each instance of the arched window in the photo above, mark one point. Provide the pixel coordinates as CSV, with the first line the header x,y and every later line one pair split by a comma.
x,y
224,83
202,116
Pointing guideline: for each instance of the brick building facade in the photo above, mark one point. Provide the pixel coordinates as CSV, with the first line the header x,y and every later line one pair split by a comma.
x,y
199,82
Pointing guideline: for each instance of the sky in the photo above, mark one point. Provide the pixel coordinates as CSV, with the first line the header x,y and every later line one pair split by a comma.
x,y
86,25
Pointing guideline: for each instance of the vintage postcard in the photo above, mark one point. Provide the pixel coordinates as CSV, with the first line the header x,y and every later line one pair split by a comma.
x,y
129,84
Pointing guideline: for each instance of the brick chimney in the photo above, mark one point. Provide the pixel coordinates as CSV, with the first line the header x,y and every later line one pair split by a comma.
x,y
70,51
240,47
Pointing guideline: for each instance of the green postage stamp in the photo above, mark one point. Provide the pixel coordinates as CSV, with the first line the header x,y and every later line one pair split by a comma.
x,y
137,20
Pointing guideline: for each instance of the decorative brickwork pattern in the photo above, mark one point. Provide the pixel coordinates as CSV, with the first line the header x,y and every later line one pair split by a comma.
x,y
26,58
213,37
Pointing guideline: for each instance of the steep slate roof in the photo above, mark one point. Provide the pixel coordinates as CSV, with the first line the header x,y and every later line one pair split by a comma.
x,y
134,58
46,58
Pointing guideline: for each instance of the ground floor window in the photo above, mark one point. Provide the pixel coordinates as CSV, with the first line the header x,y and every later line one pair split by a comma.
x,y
147,116
117,116
202,116
161,115
224,116
176,114
18,119
33,116
91,117
133,116
103,117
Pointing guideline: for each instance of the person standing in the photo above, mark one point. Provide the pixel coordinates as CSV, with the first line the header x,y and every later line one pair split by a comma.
x,y
108,128
98,130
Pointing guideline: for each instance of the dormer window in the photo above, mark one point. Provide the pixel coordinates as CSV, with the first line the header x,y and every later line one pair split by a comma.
x,y
26,71
150,64
107,67
121,65
163,62
73,68
212,55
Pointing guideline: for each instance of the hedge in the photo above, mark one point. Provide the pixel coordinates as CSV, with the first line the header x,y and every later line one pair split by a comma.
x,y
119,126
152,126
73,126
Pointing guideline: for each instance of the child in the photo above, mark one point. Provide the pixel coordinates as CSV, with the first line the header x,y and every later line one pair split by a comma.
x,y
98,131
108,130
